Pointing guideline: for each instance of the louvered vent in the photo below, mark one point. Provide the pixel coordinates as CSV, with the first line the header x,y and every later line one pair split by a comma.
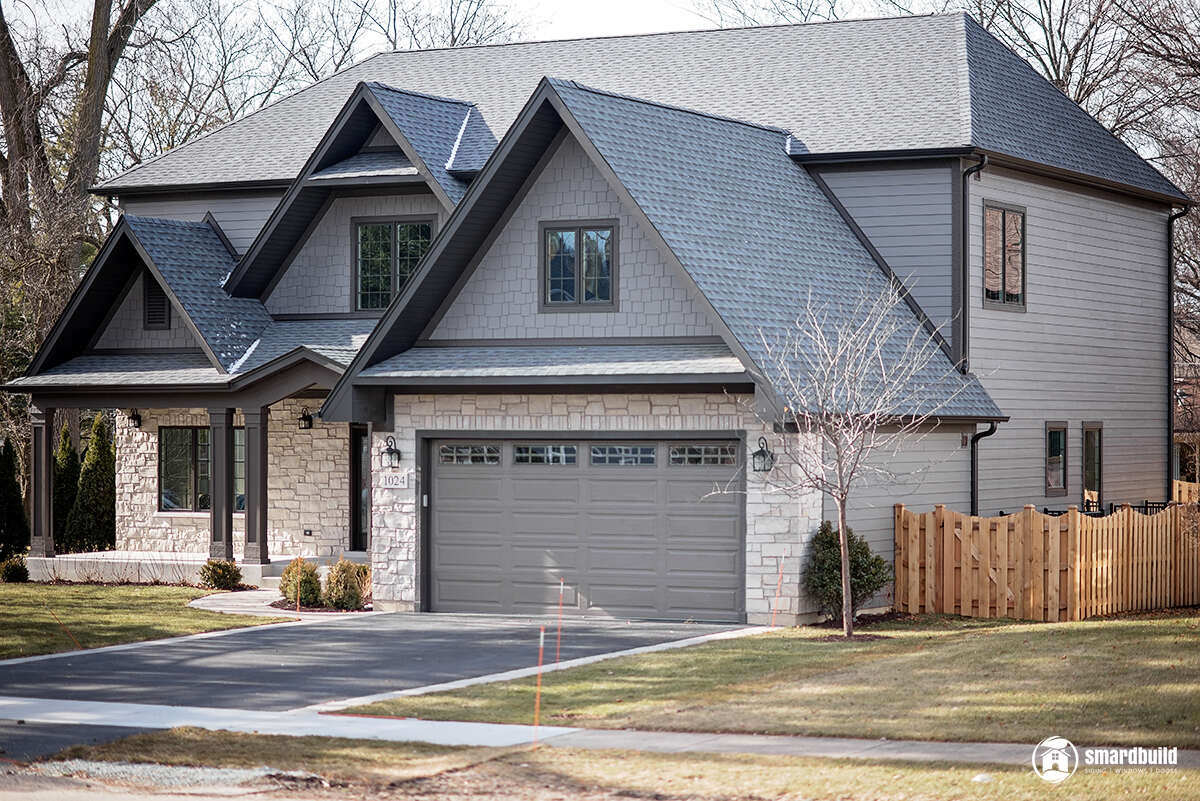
x,y
157,309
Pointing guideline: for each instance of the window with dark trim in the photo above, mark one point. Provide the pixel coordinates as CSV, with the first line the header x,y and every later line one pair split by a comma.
x,y
470,454
703,455
1093,462
544,454
578,265
634,455
156,309
185,469
1056,458
1003,255
386,254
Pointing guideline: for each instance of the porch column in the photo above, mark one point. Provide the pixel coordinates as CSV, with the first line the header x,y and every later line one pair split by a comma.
x,y
220,435
41,482
256,485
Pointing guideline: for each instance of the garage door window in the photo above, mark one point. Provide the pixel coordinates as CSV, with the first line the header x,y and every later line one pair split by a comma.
x,y
623,454
544,454
703,455
470,454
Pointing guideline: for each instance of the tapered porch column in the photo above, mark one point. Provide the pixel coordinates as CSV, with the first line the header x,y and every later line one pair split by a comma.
x,y
256,485
220,430
41,482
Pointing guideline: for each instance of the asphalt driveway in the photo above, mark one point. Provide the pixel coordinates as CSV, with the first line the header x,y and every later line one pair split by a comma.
x,y
279,668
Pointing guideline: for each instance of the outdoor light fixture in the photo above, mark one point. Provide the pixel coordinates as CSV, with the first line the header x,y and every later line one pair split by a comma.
x,y
762,458
305,419
391,455
135,419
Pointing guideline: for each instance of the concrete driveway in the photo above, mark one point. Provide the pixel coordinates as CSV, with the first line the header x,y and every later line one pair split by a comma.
x,y
286,667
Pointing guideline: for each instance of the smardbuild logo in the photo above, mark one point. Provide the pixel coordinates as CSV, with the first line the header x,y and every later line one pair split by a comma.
x,y
1056,759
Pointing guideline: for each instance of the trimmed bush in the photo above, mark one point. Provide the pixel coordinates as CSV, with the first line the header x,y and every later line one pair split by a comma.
x,y
364,582
300,577
13,570
822,579
14,526
219,574
343,589
66,487
92,525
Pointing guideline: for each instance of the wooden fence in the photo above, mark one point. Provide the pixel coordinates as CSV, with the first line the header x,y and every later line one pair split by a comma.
x,y
1185,491
1033,566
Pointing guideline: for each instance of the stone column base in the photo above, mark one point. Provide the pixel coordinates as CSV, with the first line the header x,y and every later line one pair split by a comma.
x,y
394,606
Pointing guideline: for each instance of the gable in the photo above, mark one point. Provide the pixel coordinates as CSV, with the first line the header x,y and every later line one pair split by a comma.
x,y
125,329
500,299
381,140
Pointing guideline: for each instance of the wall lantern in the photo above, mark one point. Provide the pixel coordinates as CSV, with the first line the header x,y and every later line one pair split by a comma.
x,y
762,459
391,455
305,419
135,419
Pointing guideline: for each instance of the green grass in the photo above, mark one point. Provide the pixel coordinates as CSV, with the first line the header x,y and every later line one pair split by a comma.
x,y
1127,681
368,768
97,615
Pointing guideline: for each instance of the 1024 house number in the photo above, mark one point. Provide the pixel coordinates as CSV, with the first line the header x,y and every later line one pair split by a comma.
x,y
394,480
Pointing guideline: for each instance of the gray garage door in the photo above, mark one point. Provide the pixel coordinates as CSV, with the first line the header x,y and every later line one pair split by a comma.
x,y
627,524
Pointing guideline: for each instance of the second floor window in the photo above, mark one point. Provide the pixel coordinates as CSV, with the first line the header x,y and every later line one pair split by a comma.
x,y
1003,256
579,265
386,256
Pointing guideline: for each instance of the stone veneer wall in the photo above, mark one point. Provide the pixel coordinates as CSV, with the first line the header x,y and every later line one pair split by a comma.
x,y
776,527
308,486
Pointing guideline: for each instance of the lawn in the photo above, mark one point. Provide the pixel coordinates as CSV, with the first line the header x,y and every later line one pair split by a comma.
x,y
367,768
1127,681
97,615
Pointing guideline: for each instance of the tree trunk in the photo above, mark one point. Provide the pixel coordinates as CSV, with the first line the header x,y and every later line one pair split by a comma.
x,y
844,545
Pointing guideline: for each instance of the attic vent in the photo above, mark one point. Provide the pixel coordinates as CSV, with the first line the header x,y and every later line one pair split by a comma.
x,y
156,309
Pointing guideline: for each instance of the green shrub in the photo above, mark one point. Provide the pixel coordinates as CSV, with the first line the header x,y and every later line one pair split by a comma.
x,y
343,589
13,570
300,577
66,487
92,525
822,579
14,525
219,574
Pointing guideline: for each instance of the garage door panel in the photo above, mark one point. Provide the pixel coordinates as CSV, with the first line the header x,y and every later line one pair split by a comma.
x,y
630,540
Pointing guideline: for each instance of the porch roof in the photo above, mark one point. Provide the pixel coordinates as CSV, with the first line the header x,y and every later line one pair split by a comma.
x,y
557,361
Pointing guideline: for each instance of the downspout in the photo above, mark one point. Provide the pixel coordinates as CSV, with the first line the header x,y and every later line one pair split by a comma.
x,y
978,435
1169,486
964,361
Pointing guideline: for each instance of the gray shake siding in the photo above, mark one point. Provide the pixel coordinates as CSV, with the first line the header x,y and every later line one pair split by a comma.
x,y
126,331
500,300
320,280
241,214
1090,346
906,213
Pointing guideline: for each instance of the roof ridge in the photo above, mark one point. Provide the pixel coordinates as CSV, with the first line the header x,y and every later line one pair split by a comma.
x,y
668,106
414,93
169,221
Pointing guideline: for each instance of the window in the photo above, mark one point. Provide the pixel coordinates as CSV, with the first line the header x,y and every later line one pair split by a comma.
x,y
1056,459
1004,256
544,454
703,455
470,454
579,265
1093,462
156,309
387,253
623,454
185,469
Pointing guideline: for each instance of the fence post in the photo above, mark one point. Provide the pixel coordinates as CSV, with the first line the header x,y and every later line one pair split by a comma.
x,y
1072,563
932,585
898,581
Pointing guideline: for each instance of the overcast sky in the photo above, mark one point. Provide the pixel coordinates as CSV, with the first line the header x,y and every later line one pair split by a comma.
x,y
571,19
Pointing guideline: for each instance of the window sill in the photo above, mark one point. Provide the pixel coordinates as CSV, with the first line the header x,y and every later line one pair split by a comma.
x,y
183,513
1005,307
1056,493
558,308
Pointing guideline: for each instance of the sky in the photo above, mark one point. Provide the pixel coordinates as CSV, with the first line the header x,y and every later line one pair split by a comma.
x,y
570,19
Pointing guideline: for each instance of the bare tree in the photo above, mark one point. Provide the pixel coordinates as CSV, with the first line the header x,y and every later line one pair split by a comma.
x,y
858,381
421,24
738,13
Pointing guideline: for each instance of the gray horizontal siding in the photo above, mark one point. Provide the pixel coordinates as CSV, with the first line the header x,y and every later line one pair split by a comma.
x,y
241,215
906,213
1091,345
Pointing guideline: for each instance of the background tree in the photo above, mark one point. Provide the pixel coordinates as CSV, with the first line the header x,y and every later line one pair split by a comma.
x,y
66,486
92,524
856,379
14,526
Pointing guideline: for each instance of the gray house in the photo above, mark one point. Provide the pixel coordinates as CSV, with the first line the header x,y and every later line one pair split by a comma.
x,y
490,317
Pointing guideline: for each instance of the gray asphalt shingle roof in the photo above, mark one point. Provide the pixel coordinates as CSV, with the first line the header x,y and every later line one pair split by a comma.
x,y
751,227
157,369
558,361
336,340
861,85
366,165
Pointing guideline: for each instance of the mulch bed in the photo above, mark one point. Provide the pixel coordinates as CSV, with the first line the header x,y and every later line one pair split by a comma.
x,y
288,606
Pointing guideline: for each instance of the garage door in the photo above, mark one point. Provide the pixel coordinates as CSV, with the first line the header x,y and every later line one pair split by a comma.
x,y
633,527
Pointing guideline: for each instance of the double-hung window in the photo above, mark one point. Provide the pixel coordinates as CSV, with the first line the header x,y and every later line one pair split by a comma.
x,y
579,265
1056,458
1003,256
386,254
185,469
